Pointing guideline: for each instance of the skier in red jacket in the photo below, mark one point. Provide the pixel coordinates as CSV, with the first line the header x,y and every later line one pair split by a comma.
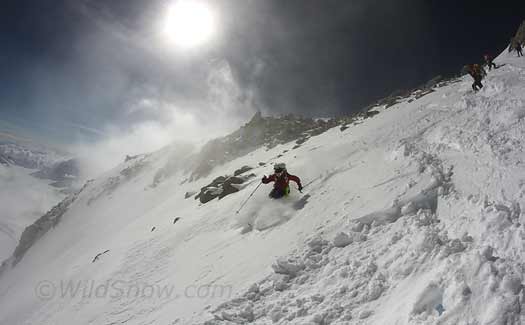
x,y
282,179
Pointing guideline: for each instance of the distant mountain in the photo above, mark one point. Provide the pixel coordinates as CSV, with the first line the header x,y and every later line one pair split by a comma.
x,y
64,173
24,156
49,163
5,161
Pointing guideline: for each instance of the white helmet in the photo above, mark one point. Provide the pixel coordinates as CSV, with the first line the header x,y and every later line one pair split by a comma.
x,y
279,167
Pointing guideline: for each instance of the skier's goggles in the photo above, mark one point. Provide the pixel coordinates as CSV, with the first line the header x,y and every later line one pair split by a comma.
x,y
279,170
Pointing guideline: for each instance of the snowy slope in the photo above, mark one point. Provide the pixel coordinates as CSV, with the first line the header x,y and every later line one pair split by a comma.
x,y
427,193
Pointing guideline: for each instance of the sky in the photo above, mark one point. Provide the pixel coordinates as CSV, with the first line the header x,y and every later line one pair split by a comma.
x,y
81,73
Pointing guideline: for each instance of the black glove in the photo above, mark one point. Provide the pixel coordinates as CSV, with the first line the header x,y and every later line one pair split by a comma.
x,y
264,178
300,188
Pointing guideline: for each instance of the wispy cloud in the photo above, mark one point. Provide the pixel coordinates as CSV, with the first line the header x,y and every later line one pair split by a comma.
x,y
13,137
86,128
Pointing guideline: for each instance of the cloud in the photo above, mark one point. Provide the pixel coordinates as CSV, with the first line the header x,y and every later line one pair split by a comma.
x,y
85,128
155,121
225,94
97,157
119,89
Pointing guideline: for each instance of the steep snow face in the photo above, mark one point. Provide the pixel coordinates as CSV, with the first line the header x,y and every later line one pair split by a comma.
x,y
410,217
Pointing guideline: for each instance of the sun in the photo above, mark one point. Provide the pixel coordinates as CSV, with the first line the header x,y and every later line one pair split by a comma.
x,y
189,23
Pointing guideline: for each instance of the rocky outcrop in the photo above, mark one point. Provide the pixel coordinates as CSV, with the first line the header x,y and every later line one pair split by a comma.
x,y
242,170
413,94
259,131
221,187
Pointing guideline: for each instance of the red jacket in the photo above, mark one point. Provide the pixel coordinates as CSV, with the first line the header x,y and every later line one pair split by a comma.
x,y
282,182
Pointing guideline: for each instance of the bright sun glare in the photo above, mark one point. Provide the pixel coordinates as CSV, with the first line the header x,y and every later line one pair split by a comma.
x,y
189,23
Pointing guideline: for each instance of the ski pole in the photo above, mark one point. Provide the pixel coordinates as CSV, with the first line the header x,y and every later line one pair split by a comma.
x,y
310,182
248,198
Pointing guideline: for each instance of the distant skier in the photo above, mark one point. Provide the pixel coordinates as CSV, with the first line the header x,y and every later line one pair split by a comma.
x,y
477,72
518,48
489,61
282,179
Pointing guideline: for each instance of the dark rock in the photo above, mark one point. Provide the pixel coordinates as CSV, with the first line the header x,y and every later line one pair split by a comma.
x,y
219,180
242,170
208,194
234,180
301,141
128,158
221,187
228,188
